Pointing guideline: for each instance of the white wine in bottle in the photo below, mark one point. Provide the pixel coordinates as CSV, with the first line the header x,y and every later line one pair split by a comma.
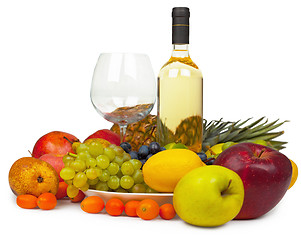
x,y
180,91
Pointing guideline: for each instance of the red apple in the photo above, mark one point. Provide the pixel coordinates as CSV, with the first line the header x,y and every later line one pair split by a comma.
x,y
108,135
265,172
57,143
55,161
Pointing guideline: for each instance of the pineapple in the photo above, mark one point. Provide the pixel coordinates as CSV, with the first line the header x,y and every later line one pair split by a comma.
x,y
214,132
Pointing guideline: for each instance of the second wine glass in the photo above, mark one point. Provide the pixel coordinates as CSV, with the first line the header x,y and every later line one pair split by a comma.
x,y
123,88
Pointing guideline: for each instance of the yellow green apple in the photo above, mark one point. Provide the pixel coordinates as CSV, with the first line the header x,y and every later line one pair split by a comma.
x,y
209,196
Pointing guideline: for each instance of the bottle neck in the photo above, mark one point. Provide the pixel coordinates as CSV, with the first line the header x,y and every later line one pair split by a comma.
x,y
180,50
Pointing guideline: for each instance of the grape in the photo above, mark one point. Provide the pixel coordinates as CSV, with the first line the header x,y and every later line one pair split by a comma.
x,y
136,163
126,147
113,182
102,186
209,161
95,148
126,157
85,187
202,156
92,182
126,182
75,145
67,158
113,168
154,147
102,161
91,162
110,153
138,188
143,152
133,154
118,160
91,173
72,191
98,171
78,165
138,176
69,182
119,174
80,179
118,151
82,148
67,173
127,168
105,175
84,155
104,169
120,189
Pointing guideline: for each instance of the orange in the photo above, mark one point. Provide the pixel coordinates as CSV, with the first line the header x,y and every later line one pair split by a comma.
x,y
148,209
27,201
92,204
47,201
114,207
167,211
131,207
294,174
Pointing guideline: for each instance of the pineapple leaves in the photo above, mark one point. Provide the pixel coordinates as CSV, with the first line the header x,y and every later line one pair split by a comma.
x,y
217,131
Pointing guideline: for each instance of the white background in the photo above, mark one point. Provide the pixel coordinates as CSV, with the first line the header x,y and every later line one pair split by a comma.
x,y
249,53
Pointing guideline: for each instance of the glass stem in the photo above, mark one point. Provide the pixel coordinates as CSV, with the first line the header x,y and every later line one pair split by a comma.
x,y
122,132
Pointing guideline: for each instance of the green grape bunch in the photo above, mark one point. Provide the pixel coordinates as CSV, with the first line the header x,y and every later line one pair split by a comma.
x,y
110,168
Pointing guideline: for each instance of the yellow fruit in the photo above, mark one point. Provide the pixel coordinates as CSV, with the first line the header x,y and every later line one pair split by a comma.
x,y
33,176
294,174
214,150
163,170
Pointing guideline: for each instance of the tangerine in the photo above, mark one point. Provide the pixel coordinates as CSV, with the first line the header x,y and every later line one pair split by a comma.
x,y
114,207
131,207
167,211
92,204
27,201
148,209
47,201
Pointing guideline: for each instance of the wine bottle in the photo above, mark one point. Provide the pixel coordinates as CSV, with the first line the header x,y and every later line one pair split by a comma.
x,y
180,90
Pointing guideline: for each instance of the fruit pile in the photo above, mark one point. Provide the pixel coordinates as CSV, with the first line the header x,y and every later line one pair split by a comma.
x,y
228,180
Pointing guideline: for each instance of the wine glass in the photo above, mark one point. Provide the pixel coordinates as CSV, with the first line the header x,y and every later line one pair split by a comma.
x,y
123,88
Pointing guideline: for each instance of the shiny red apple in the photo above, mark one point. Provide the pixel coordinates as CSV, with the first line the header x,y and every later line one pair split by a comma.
x,y
55,161
108,135
56,142
265,172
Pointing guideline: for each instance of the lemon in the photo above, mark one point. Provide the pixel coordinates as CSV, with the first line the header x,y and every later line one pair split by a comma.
x,y
163,170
